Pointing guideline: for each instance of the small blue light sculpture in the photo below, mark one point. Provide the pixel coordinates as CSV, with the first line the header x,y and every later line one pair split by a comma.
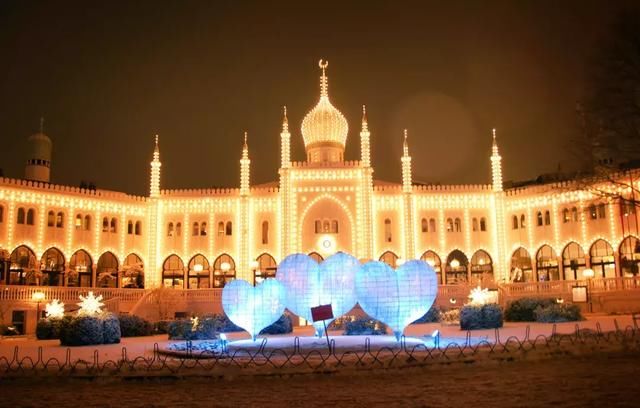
x,y
309,284
398,297
253,308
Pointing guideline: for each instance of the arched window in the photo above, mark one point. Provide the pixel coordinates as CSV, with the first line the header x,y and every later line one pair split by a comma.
x,y
52,267
630,256
522,221
481,268
521,267
78,221
547,264
20,217
547,218
105,224
107,271
178,229
456,268
138,230
433,259
51,219
565,216
265,232
228,229
318,226
326,226
432,225
601,211
31,215
80,269
514,223
602,259
267,268
387,230
425,225
130,227
474,224
574,214
593,214
458,225
114,225
449,225
87,222
334,226
483,224
539,220
389,258
199,271
316,257
170,229
133,272
573,261
22,267
173,272
203,229
196,229
224,270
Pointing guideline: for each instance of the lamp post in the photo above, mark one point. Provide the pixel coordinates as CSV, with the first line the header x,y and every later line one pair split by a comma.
x,y
38,297
589,274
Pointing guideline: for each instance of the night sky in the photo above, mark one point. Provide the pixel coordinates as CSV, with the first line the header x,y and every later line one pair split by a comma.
x,y
108,75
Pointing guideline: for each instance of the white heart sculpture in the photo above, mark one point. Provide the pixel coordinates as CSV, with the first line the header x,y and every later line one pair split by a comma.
x,y
253,308
398,297
309,284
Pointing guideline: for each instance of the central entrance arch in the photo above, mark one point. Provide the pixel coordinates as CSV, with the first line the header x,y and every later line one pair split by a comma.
x,y
327,227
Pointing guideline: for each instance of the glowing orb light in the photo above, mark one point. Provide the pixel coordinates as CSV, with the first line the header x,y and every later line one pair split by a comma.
x,y
54,310
90,305
309,284
398,297
253,308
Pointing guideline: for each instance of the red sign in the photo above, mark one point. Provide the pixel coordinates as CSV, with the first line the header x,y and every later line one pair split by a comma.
x,y
322,312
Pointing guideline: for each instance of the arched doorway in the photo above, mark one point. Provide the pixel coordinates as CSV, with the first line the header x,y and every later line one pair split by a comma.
x,y
630,256
133,272
80,269
316,257
326,226
224,270
547,264
267,268
173,272
602,259
521,268
199,272
107,271
433,259
52,267
481,268
389,258
456,268
573,261
23,268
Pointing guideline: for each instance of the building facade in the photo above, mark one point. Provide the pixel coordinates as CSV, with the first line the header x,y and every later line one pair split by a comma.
x,y
54,235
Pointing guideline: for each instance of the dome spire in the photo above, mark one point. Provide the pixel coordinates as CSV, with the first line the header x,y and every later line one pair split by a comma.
x,y
41,124
365,125
324,83
285,121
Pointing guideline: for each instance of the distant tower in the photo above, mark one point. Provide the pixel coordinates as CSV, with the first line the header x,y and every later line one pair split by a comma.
x,y
285,143
365,150
38,166
496,165
154,187
406,166
244,168
408,204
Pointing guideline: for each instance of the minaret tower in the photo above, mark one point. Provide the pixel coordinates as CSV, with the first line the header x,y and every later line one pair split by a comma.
x,y
496,165
38,166
243,215
365,219
406,166
244,168
285,142
365,150
407,199
154,185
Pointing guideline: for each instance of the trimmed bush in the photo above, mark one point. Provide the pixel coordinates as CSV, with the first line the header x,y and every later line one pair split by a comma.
x,y
558,313
224,324
522,310
111,329
450,317
480,317
48,329
134,326
182,329
161,327
365,326
434,315
282,326
81,331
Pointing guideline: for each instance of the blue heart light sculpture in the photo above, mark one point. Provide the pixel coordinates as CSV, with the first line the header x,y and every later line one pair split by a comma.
x,y
253,308
309,284
398,297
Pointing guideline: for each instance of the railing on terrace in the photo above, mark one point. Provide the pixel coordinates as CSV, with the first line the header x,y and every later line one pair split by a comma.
x,y
67,294
596,285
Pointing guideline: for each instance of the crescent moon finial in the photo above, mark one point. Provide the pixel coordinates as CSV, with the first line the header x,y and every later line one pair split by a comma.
x,y
323,64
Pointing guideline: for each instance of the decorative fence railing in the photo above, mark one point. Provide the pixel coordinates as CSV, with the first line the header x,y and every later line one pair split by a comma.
x,y
66,294
264,361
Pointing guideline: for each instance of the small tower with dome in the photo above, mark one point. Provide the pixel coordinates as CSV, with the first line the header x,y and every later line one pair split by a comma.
x,y
38,166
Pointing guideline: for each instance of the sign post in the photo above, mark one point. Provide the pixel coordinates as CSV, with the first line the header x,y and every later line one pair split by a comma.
x,y
324,313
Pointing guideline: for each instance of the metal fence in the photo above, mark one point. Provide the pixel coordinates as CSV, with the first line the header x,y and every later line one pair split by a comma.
x,y
231,361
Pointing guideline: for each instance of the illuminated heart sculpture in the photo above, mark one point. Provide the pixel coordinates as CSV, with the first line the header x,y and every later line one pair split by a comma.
x,y
253,308
309,284
398,297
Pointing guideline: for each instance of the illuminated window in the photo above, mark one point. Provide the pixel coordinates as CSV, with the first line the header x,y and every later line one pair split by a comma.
x,y
449,225
547,264
539,220
221,229
51,219
389,258
547,218
602,259
387,230
334,226
565,216
425,225
574,214
573,261
522,223
483,224
514,222
60,220
107,271
114,225
196,229
224,270
31,215
474,224
458,225
173,272
592,212
138,229
433,259
228,229
179,229
432,225
78,223
87,222
265,232
21,216
170,229
130,227
203,229
601,211
326,227
105,224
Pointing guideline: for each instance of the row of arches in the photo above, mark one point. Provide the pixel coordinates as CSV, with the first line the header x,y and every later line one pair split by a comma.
x,y
21,267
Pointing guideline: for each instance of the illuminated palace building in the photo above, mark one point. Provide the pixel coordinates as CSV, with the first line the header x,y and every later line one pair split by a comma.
x,y
54,235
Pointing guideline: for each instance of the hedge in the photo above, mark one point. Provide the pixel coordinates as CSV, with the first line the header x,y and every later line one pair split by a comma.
x,y
480,317
558,313
365,326
134,326
523,310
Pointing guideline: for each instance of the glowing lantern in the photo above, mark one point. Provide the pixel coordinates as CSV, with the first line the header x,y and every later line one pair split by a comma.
x,y
54,310
479,296
90,305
